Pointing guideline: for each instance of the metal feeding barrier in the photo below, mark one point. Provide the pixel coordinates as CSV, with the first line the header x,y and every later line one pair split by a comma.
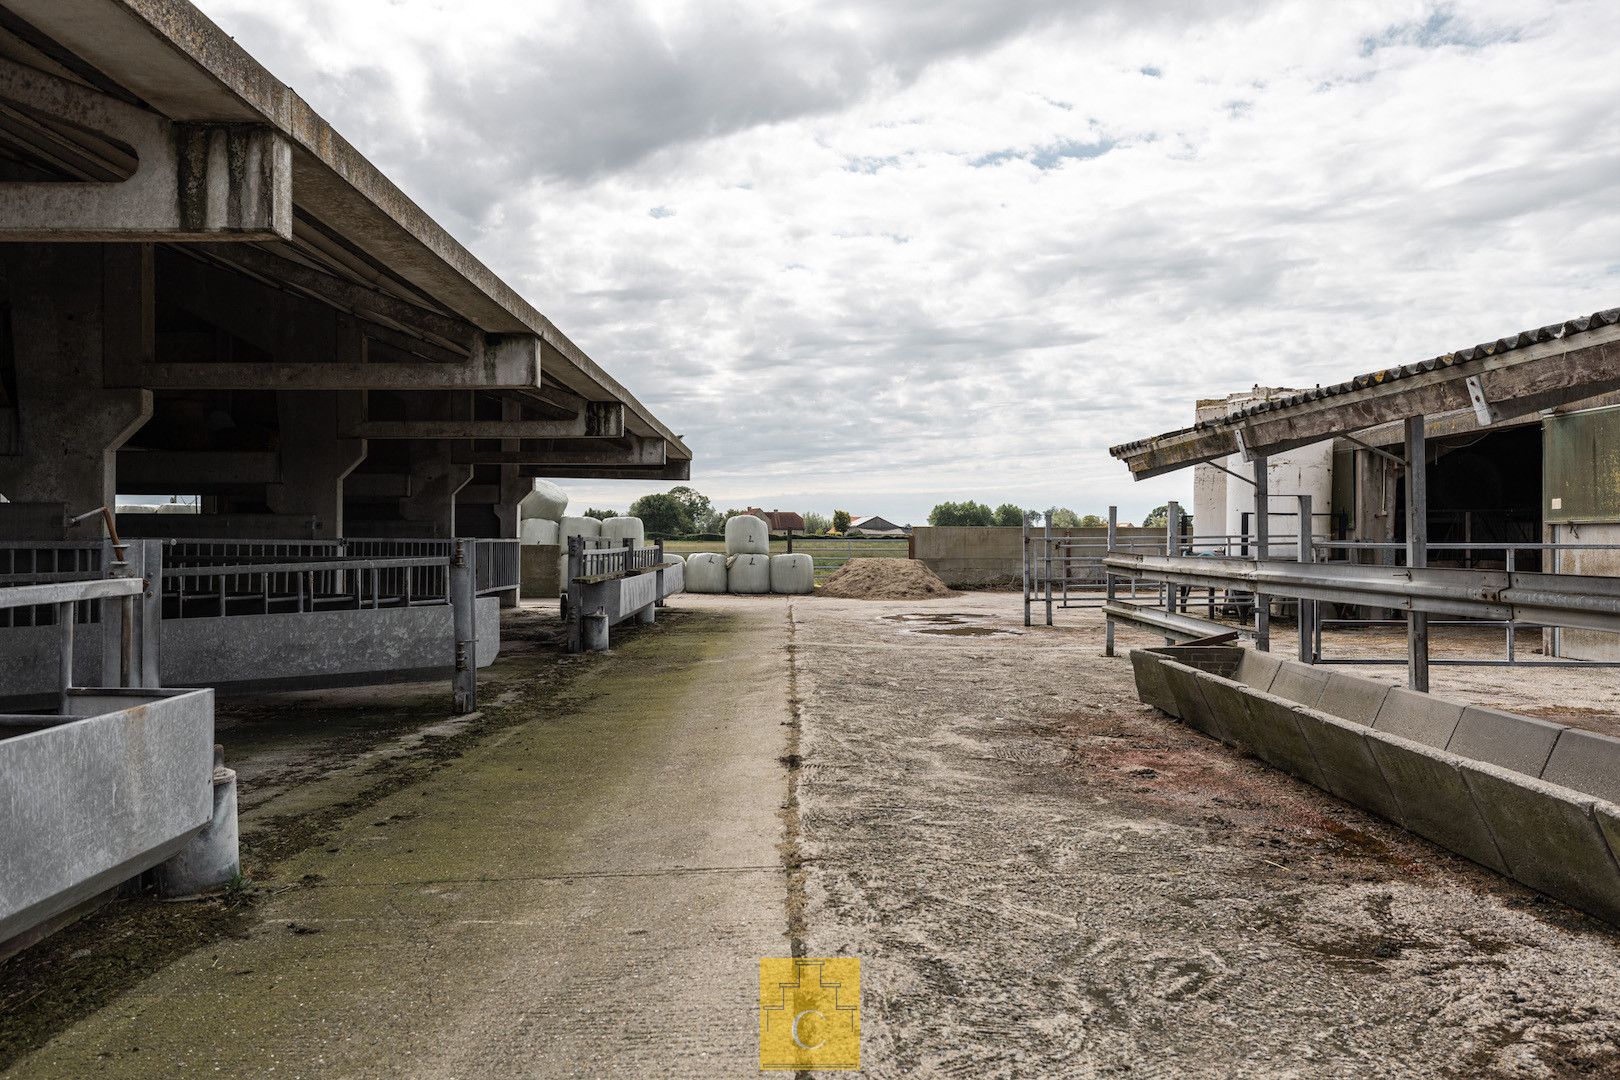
x,y
1508,598
610,581
188,580
1160,586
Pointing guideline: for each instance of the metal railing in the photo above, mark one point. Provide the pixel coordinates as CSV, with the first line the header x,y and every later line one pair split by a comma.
x,y
190,578
63,596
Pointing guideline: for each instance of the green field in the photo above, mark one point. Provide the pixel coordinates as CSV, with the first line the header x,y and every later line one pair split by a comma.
x,y
829,552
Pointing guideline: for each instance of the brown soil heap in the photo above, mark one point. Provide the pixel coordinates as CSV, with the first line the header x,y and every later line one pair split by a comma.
x,y
884,579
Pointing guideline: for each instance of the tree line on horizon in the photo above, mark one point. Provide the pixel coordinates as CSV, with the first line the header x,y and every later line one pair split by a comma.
x,y
684,511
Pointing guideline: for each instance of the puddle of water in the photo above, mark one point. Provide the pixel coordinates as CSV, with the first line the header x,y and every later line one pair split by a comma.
x,y
940,618
964,631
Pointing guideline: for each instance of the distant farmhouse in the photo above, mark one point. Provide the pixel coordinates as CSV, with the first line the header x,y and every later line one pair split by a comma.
x,y
780,520
875,526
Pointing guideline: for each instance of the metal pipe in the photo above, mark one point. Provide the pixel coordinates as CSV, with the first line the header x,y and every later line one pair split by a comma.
x,y
1262,543
64,616
1307,613
1417,549
1047,547
1108,580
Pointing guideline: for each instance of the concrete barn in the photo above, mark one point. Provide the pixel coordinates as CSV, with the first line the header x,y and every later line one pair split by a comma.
x,y
208,294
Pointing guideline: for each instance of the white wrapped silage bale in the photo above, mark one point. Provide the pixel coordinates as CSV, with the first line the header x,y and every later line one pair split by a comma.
x,y
620,529
538,531
572,526
748,574
747,535
671,559
545,503
793,575
706,572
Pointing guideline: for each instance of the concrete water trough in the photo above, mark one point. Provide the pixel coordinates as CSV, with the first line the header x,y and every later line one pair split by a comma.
x,y
1530,799
119,783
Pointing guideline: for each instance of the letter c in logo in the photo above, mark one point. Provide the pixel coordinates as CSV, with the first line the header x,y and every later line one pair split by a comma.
x,y
799,1042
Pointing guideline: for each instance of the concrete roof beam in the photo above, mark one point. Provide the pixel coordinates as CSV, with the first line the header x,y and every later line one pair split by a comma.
x,y
192,181
632,450
592,423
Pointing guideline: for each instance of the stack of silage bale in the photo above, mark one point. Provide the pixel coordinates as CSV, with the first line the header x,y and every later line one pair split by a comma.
x,y
748,567
539,515
748,555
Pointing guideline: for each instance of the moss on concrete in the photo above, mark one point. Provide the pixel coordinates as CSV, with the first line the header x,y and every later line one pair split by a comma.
x,y
381,820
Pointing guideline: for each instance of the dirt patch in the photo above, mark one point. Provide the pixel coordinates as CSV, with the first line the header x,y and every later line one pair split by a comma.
x,y
884,579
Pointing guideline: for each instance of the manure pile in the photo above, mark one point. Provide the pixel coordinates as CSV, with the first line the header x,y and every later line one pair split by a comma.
x,y
884,579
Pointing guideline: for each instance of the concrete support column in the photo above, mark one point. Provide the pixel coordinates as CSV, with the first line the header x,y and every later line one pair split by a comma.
x,y
435,479
77,310
314,461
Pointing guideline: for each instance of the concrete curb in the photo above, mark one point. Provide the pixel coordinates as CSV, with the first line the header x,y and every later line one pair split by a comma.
x,y
1527,798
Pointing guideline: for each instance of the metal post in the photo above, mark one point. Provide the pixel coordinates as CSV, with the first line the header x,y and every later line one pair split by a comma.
x,y
1307,608
1262,544
1417,549
570,607
1023,535
1510,627
1172,547
149,625
1047,546
463,600
64,617
1108,621
659,546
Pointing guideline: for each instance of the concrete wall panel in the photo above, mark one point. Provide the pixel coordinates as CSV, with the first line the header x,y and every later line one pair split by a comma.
x,y
1348,766
91,803
1434,800
1549,836
1258,669
1352,698
1152,686
1226,716
1278,740
1586,762
1300,683
1520,743
1419,717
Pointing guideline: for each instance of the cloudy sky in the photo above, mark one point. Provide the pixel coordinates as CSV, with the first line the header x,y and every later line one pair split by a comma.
x,y
872,255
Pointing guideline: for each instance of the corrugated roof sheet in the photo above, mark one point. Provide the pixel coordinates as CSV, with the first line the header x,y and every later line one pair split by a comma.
x,y
1582,325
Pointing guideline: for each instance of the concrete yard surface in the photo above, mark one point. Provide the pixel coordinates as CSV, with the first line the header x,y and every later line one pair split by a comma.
x,y
1040,876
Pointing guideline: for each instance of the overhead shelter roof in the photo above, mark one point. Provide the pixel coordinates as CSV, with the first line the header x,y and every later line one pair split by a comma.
x,y
393,265
1525,373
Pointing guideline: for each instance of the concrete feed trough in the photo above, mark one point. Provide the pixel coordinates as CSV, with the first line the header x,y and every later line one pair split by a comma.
x,y
1527,798
95,800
